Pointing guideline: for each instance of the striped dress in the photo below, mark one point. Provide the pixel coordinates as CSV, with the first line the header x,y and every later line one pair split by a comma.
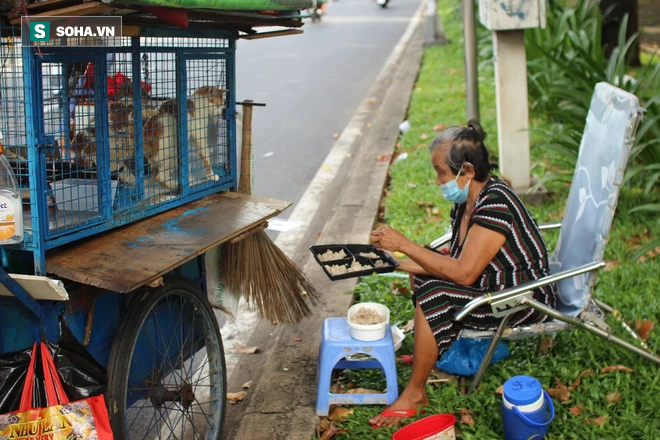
x,y
522,258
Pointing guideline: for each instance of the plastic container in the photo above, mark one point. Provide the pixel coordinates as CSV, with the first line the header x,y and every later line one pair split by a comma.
x,y
79,194
397,337
363,332
437,427
527,409
11,203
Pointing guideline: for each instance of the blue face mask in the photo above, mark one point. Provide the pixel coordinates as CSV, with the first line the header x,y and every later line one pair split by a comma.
x,y
452,193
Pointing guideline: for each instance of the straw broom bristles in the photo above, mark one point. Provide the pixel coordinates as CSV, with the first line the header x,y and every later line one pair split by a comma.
x,y
256,268
268,279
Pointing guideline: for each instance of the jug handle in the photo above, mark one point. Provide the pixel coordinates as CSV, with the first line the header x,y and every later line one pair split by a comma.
x,y
522,415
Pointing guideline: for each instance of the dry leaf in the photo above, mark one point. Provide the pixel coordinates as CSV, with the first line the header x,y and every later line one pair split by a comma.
x,y
324,425
296,339
236,397
614,397
421,203
545,346
244,349
644,329
247,384
500,390
412,185
611,265
561,392
577,409
650,254
340,414
439,127
466,417
362,391
435,211
616,368
331,432
597,421
424,136
409,326
577,381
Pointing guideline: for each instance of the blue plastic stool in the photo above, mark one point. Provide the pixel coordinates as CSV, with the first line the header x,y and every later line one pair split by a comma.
x,y
337,343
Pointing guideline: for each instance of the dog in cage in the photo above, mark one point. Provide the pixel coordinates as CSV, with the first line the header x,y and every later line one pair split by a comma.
x,y
161,135
161,146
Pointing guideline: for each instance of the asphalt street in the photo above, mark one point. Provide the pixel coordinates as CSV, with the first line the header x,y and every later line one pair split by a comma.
x,y
312,85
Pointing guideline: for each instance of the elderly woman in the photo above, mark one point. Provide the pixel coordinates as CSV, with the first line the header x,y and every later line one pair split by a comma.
x,y
495,244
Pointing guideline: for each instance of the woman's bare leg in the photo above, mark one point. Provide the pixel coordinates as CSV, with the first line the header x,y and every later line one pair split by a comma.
x,y
425,355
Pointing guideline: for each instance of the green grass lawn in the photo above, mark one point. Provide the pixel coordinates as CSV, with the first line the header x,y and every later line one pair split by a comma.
x,y
415,206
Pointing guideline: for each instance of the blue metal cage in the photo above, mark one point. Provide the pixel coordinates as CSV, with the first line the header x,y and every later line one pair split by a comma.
x,y
103,136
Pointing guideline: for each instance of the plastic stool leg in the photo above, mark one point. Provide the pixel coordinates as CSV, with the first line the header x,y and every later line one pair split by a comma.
x,y
323,377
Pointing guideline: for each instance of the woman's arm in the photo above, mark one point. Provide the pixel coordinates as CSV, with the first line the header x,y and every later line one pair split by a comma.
x,y
480,247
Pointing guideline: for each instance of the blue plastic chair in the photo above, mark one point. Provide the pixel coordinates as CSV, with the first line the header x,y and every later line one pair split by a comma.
x,y
337,344
606,142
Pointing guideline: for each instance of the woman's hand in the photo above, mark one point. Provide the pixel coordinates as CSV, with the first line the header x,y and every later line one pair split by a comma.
x,y
388,239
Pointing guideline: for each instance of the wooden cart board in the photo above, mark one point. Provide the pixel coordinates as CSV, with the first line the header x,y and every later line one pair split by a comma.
x,y
129,257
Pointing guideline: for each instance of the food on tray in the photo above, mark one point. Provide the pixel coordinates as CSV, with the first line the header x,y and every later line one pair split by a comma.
x,y
366,316
368,254
380,263
330,256
338,269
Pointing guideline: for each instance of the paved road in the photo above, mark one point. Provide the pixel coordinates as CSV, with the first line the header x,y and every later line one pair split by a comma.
x,y
312,84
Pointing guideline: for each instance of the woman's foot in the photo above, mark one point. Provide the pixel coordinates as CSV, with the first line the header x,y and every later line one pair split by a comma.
x,y
407,400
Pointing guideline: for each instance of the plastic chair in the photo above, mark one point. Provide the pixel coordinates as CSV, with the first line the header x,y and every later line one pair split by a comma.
x,y
606,142
336,344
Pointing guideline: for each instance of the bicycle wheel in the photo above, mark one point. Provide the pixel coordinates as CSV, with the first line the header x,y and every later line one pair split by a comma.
x,y
166,375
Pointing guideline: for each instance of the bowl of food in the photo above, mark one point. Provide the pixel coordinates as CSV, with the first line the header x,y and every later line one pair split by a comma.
x,y
368,321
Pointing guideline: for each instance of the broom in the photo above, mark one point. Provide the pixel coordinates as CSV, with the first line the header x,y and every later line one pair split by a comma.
x,y
265,276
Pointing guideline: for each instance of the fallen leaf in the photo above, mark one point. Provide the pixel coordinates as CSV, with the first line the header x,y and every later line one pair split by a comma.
x,y
412,185
340,414
435,211
466,417
439,127
500,390
247,384
296,339
236,397
438,374
453,71
409,326
597,421
650,254
424,136
577,381
336,135
577,409
644,329
337,388
616,368
324,425
331,432
244,349
545,346
561,392
611,265
362,391
614,397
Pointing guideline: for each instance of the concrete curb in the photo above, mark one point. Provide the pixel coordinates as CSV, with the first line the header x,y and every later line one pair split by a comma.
x,y
281,401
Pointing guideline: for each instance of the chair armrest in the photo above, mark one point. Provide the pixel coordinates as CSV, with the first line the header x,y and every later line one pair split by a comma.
x,y
547,226
440,241
527,287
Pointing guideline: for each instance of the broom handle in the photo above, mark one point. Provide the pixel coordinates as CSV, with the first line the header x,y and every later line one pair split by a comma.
x,y
245,182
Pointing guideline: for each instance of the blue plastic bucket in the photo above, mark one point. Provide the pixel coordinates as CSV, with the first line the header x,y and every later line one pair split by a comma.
x,y
527,410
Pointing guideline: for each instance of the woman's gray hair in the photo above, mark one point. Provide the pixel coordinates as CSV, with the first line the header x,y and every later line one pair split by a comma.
x,y
465,145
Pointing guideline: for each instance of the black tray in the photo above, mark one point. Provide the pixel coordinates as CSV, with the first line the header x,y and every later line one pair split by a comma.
x,y
353,251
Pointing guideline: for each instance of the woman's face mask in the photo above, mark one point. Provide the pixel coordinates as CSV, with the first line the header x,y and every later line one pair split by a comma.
x,y
453,193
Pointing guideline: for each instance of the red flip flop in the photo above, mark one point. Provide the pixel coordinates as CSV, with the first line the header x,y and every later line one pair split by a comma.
x,y
400,413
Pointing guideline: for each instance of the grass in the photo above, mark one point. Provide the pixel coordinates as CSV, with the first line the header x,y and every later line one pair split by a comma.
x,y
631,286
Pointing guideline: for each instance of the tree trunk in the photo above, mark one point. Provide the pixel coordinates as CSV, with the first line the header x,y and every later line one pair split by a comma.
x,y
613,13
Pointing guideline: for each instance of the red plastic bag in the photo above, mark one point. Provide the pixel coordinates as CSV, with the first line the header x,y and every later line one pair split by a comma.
x,y
61,419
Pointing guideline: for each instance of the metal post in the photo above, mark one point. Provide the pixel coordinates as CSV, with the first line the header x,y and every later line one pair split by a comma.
x,y
434,32
471,81
489,353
